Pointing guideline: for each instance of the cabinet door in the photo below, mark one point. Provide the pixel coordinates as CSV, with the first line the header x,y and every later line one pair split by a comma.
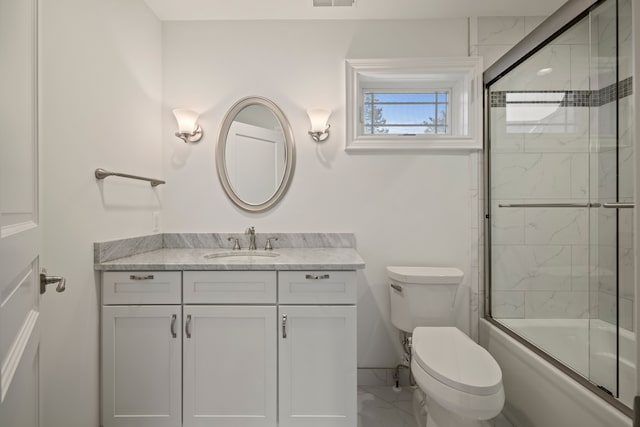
x,y
230,377
317,365
141,366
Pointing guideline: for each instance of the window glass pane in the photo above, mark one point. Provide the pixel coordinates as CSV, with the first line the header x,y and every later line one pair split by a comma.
x,y
442,115
404,97
405,113
402,130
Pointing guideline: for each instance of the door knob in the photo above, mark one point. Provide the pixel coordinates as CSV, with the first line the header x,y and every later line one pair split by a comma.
x,y
48,280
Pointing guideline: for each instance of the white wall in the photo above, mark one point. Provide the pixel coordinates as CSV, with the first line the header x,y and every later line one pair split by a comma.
x,y
100,107
404,208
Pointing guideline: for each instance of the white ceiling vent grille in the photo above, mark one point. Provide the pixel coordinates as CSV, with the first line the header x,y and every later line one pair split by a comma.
x,y
331,3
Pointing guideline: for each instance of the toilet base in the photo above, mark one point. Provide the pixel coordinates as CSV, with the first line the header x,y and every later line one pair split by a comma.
x,y
428,413
419,407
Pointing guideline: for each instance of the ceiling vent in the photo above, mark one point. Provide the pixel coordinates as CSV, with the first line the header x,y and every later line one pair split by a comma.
x,y
332,3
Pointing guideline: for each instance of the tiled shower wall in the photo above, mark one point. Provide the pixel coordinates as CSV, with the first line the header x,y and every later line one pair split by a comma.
x,y
490,38
541,257
539,254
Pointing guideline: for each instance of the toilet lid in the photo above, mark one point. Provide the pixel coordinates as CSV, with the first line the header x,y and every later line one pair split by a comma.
x,y
451,357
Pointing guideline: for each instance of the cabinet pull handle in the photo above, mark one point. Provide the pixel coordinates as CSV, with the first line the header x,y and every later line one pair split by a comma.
x,y
147,277
284,326
174,318
187,327
312,277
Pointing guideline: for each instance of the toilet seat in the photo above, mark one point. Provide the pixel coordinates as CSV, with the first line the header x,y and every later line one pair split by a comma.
x,y
472,406
449,367
451,357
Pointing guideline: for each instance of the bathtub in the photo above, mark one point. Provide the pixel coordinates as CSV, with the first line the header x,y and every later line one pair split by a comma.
x,y
540,395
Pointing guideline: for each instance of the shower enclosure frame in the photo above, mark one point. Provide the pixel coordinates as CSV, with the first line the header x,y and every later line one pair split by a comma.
x,y
564,18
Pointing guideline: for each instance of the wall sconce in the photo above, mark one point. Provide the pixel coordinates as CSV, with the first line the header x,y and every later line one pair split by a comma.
x,y
319,126
188,129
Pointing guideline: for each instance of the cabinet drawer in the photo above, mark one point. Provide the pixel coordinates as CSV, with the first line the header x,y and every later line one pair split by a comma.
x,y
141,287
317,287
229,287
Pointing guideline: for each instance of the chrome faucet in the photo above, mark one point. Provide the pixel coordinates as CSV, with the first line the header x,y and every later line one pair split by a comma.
x,y
251,231
236,244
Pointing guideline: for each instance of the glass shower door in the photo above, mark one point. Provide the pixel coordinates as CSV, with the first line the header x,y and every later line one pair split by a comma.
x,y
540,198
612,339
561,181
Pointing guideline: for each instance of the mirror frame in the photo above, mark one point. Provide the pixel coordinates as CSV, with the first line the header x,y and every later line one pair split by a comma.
x,y
290,153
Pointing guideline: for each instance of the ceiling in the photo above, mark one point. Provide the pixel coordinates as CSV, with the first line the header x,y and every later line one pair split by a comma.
x,y
170,10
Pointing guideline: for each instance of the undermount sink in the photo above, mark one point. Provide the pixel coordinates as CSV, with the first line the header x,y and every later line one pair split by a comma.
x,y
231,254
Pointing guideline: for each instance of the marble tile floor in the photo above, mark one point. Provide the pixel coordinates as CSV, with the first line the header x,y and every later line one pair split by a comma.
x,y
380,406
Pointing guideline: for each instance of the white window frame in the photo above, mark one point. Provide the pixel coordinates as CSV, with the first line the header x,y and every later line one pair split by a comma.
x,y
460,75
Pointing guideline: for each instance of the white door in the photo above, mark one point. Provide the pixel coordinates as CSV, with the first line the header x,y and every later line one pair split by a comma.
x,y
317,366
141,366
230,366
20,224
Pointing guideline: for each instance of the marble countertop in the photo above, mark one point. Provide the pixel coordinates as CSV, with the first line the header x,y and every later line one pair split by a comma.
x,y
194,259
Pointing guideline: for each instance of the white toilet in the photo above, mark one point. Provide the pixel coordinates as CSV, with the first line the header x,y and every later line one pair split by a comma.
x,y
459,382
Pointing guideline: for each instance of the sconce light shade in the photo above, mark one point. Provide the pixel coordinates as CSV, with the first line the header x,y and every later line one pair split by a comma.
x,y
188,128
319,126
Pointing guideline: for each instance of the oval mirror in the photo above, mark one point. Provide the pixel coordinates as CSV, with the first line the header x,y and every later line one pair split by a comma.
x,y
255,156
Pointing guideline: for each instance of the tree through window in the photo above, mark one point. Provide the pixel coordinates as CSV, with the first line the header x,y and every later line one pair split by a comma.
x,y
405,113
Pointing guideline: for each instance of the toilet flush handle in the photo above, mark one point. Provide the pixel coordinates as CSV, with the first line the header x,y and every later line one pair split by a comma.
x,y
395,287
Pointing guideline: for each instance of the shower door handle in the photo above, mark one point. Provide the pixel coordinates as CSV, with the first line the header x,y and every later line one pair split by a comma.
x,y
548,205
616,205
619,205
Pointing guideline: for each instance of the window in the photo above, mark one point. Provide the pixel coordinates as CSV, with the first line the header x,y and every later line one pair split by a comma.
x,y
423,103
405,113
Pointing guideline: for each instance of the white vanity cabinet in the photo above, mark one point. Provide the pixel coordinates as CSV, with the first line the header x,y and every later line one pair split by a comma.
x,y
141,350
317,349
229,349
317,366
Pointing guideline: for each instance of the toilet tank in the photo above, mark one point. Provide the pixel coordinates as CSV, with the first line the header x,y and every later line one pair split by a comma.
x,y
423,296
